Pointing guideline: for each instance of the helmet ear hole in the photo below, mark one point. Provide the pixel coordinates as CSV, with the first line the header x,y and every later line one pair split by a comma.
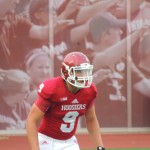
x,y
64,73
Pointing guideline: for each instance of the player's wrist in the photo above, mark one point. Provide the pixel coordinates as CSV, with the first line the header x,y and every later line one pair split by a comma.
x,y
100,148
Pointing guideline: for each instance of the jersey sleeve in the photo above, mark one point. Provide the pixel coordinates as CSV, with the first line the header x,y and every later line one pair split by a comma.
x,y
42,104
23,25
90,104
46,89
45,93
93,93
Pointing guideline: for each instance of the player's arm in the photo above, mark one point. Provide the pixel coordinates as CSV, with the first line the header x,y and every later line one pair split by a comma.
x,y
39,32
33,121
93,126
79,33
142,84
143,87
86,12
117,51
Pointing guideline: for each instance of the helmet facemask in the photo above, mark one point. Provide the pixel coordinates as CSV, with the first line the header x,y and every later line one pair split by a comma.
x,y
79,76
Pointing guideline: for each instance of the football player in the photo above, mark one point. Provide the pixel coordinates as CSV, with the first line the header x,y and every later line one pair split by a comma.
x,y
53,119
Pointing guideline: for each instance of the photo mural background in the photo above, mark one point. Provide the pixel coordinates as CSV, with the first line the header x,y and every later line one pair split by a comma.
x,y
35,36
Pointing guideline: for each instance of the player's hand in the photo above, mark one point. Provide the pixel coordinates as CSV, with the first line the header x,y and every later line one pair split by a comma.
x,y
2,74
100,75
100,148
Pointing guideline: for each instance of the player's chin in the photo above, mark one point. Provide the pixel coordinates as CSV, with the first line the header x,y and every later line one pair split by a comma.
x,y
80,81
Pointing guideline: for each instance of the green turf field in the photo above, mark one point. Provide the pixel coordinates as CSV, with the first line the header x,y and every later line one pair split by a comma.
x,y
122,149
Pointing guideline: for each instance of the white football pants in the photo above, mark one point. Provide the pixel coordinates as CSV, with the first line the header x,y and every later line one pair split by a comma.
x,y
48,143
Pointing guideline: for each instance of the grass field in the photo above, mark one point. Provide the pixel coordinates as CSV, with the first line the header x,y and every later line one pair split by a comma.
x,y
122,149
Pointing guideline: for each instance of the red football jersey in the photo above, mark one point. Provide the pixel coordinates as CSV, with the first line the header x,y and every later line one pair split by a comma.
x,y
62,108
